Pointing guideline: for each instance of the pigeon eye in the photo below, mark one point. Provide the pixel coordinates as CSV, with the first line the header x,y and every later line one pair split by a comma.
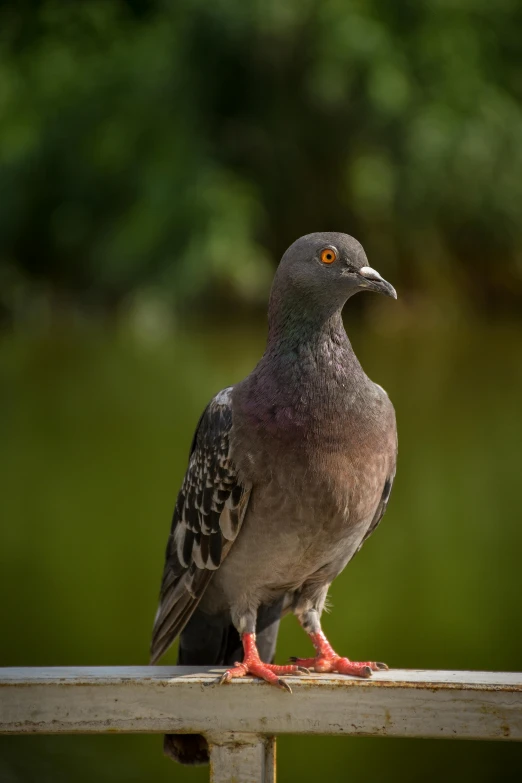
x,y
328,255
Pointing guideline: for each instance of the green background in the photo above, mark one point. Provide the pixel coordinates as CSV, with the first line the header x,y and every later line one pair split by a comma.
x,y
156,158
96,430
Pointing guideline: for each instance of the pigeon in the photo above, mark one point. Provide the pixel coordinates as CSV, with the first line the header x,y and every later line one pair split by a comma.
x,y
290,471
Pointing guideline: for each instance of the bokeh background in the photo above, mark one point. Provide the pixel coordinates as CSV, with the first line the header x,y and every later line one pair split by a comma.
x,y
156,158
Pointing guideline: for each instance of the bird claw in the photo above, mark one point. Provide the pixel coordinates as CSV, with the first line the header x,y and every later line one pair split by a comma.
x,y
334,663
299,669
217,680
265,671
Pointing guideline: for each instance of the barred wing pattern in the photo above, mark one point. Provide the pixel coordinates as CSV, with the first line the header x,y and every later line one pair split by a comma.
x,y
209,513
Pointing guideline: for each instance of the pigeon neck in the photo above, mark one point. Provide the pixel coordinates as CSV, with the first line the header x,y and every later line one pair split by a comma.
x,y
313,340
293,329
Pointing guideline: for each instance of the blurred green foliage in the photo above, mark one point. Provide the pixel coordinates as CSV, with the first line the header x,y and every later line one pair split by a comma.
x,y
157,150
96,427
179,147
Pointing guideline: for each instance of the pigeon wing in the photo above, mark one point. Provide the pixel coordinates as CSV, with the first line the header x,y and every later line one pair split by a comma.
x,y
209,512
381,508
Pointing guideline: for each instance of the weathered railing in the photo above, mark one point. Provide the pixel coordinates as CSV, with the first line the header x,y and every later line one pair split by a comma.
x,y
240,719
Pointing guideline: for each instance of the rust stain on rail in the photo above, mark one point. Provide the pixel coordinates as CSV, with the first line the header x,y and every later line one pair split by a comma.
x,y
301,684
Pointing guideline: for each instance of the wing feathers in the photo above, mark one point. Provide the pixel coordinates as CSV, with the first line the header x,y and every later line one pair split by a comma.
x,y
209,511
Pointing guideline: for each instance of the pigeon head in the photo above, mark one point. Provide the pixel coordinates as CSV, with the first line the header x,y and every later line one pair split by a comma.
x,y
328,268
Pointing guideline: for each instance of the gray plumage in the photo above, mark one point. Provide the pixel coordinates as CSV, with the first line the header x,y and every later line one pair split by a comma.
x,y
290,471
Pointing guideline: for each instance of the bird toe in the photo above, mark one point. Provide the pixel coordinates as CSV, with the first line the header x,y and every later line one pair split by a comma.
x,y
284,685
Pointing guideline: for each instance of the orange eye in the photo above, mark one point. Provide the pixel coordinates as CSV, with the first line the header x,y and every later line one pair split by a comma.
x,y
328,255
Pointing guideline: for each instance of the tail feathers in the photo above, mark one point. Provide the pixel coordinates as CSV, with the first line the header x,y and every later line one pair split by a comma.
x,y
205,641
212,641
176,607
186,748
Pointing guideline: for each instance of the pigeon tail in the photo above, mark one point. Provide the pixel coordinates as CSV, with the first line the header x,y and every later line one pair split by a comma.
x,y
205,641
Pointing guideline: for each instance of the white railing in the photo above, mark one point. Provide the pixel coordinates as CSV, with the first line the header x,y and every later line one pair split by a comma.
x,y
240,719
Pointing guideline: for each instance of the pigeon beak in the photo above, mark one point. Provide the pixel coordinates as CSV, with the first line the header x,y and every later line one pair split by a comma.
x,y
376,282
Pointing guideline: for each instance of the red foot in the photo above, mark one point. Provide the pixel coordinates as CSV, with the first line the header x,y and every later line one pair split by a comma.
x,y
327,660
252,664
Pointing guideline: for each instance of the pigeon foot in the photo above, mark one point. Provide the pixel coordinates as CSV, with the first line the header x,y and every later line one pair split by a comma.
x,y
341,665
254,666
327,660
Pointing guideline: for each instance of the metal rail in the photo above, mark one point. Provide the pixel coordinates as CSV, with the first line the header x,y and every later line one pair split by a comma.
x,y
240,719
